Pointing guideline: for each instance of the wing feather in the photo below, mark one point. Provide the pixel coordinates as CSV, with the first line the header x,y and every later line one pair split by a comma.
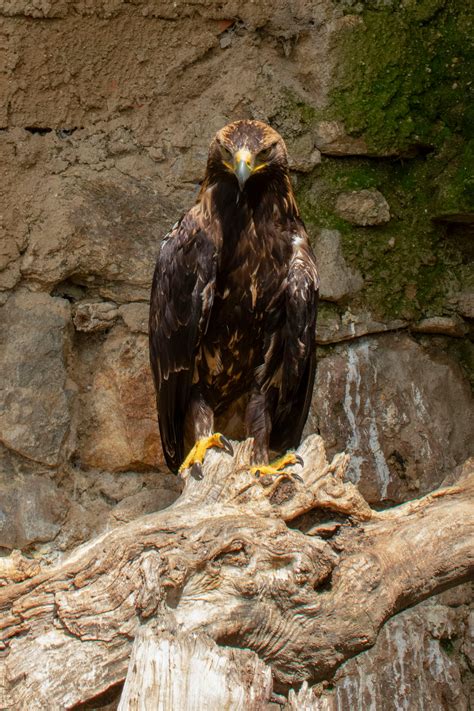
x,y
299,346
181,300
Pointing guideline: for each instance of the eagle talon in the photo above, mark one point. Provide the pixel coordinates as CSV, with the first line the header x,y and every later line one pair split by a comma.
x,y
271,475
279,466
288,459
226,446
263,477
196,471
196,455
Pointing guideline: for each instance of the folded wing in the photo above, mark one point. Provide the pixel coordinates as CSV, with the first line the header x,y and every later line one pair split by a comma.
x,y
181,300
299,346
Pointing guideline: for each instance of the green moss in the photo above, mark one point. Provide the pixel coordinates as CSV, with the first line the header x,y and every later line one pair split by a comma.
x,y
316,199
404,76
307,113
294,115
327,312
405,72
409,268
455,186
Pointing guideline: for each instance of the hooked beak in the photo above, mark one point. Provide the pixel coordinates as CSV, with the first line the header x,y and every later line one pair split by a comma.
x,y
243,166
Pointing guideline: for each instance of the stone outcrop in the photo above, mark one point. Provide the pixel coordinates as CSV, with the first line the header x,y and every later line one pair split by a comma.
x,y
413,663
332,139
334,327
447,325
363,207
36,396
92,316
98,234
394,405
32,510
117,429
338,279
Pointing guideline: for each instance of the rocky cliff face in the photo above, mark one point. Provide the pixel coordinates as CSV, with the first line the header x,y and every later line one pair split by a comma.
x,y
106,113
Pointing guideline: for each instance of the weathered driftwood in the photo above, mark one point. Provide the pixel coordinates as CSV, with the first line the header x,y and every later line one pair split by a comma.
x,y
190,672
232,563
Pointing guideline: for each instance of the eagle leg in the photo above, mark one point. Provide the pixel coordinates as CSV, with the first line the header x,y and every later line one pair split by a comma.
x,y
196,455
258,425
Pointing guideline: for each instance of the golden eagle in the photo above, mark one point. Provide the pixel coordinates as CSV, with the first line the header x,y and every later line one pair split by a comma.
x,y
233,305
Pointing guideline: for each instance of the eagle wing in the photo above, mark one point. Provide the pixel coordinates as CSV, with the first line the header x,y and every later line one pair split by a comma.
x,y
181,300
299,345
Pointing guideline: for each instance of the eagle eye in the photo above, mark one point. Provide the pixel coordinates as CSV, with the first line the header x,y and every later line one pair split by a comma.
x,y
266,153
225,153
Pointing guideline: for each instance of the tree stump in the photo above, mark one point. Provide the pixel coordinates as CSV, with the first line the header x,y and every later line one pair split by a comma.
x,y
301,574
189,671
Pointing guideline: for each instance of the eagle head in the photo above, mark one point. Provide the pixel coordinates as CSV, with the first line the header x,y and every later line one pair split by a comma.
x,y
243,150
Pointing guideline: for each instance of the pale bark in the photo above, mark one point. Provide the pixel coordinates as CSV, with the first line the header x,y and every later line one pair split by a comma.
x,y
223,562
190,672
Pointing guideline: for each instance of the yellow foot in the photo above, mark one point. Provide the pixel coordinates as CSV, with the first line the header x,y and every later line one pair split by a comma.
x,y
196,455
275,472
277,467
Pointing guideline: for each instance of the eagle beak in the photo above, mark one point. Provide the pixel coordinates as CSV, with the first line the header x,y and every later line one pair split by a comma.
x,y
243,166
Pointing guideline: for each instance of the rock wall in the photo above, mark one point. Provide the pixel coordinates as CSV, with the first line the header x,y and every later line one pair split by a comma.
x,y
106,113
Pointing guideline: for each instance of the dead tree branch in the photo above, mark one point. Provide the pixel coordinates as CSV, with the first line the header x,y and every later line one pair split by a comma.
x,y
229,561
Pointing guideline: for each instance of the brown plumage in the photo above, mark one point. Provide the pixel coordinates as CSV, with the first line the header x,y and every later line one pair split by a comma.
x,y
233,301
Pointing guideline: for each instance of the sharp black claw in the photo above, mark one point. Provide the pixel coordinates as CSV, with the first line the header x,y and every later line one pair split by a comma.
x,y
257,473
226,446
196,471
299,460
298,477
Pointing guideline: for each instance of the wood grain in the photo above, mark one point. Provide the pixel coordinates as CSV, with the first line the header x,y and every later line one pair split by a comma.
x,y
304,578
